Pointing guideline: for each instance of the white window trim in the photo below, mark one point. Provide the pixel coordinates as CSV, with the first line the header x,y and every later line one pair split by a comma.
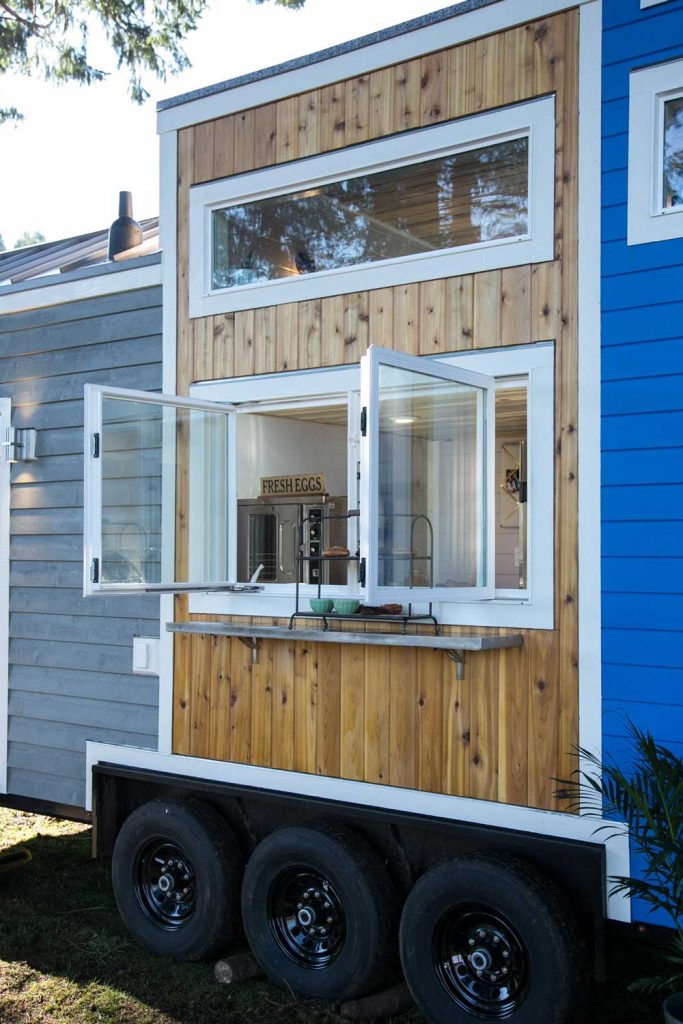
x,y
530,609
535,118
92,490
370,365
649,89
650,3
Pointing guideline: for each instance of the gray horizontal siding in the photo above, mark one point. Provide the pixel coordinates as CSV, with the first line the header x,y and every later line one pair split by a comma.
x,y
70,657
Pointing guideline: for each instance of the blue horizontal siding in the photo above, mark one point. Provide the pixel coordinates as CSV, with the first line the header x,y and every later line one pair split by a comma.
x,y
647,539
642,421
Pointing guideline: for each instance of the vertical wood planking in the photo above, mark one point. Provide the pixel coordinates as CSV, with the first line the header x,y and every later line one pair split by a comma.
x,y
245,141
265,336
224,147
283,705
515,711
459,313
310,333
487,313
381,116
377,696
406,96
352,722
432,318
357,107
327,739
433,88
265,135
403,721
286,337
241,698
407,318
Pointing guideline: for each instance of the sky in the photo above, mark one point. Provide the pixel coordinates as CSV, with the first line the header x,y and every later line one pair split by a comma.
x,y
61,169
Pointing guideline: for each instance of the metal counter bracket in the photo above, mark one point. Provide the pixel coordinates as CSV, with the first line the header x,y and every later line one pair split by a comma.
x,y
458,659
453,646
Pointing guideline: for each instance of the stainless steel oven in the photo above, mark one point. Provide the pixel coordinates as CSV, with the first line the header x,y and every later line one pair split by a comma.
x,y
268,531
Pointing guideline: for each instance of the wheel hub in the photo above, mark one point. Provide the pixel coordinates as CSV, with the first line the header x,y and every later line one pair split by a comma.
x,y
307,918
480,961
165,884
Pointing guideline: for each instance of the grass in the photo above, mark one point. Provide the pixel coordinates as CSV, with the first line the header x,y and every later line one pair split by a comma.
x,y
65,957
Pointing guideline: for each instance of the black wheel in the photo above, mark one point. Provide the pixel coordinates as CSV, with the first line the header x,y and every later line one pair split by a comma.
x,y
319,912
490,939
176,872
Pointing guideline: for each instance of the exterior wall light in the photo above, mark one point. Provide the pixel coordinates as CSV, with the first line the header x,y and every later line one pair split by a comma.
x,y
20,445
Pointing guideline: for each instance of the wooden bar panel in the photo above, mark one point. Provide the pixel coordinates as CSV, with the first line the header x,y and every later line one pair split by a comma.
x,y
369,713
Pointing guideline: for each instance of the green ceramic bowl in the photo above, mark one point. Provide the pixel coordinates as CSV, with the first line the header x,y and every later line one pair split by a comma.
x,y
321,605
346,606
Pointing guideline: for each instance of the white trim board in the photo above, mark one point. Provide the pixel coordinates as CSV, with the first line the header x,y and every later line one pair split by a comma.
x,y
369,794
5,421
458,29
589,334
168,225
47,294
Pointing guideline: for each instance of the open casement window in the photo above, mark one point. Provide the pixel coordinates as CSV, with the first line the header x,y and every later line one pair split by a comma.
x,y
427,465
147,455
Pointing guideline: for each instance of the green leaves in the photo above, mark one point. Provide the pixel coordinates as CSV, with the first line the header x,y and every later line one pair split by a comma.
x,y
50,38
648,797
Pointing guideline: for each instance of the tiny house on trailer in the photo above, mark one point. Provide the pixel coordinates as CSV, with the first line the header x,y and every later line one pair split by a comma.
x,y
364,497
67,315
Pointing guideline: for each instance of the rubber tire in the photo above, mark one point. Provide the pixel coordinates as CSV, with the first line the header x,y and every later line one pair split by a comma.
x,y
218,865
359,878
536,910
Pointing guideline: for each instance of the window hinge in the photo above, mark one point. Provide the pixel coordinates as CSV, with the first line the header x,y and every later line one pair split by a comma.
x,y
361,572
364,421
96,446
96,570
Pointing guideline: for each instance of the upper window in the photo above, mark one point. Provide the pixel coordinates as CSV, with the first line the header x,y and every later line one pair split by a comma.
x,y
655,175
460,197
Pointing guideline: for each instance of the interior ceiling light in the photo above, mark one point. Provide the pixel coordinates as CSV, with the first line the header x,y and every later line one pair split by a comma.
x,y
403,421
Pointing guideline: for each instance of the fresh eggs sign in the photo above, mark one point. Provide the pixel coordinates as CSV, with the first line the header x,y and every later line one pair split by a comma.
x,y
298,486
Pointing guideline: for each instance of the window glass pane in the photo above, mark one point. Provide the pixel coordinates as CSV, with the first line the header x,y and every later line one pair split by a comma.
x,y
144,447
431,521
292,473
511,488
462,199
673,153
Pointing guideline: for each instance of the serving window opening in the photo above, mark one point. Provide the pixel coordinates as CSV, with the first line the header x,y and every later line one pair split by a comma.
x,y
293,494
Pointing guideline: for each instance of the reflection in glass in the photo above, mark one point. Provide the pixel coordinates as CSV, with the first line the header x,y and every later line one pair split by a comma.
x,y
673,153
466,198
144,446
431,501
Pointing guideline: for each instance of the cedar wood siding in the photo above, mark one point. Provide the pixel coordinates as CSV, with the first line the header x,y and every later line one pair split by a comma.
x,y
642,415
397,716
70,658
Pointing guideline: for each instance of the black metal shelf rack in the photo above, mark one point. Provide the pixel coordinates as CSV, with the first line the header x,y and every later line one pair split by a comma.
x,y
333,617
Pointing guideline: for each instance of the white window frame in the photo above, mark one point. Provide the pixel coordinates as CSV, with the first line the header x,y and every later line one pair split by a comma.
x,y
532,608
650,3
535,119
649,90
92,492
369,448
